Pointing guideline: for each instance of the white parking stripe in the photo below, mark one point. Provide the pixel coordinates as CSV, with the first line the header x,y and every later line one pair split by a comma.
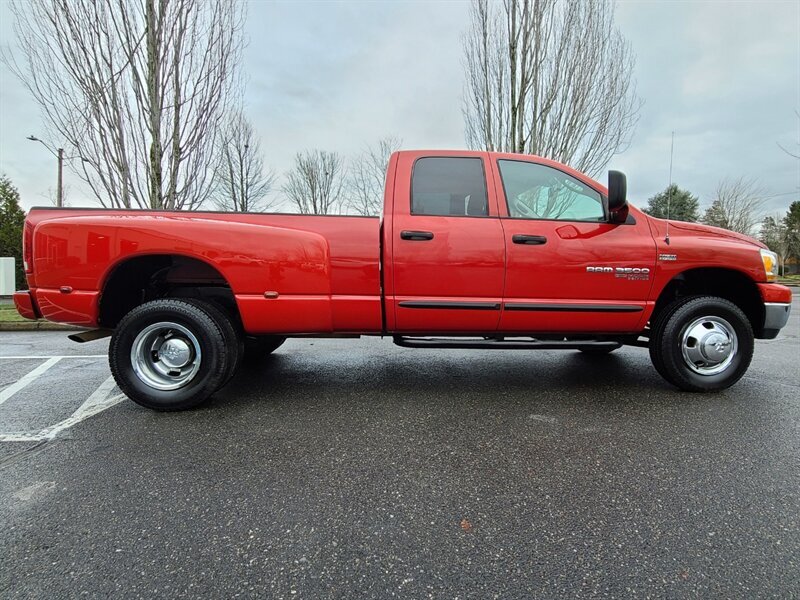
x,y
44,357
24,381
96,403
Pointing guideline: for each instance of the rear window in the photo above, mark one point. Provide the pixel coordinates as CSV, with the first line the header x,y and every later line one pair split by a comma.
x,y
452,187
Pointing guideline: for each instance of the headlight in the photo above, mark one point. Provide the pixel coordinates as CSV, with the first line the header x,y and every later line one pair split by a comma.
x,y
770,260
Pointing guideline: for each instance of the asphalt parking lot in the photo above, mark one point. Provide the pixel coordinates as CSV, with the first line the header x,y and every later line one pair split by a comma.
x,y
357,469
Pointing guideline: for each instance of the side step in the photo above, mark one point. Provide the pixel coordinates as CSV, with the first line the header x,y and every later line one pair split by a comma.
x,y
90,336
502,343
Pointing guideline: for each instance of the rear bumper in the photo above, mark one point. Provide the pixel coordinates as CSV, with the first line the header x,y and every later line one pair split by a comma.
x,y
73,308
25,305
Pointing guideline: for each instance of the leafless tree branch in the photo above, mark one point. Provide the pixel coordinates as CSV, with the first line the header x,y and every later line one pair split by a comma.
x,y
136,88
242,183
737,205
549,78
315,184
367,177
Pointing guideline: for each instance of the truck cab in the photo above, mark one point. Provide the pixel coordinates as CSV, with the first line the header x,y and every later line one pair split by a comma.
x,y
488,243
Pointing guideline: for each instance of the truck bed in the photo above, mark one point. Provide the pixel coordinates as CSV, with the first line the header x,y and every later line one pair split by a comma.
x,y
325,270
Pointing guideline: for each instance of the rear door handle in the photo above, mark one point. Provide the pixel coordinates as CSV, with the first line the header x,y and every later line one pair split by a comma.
x,y
528,240
416,236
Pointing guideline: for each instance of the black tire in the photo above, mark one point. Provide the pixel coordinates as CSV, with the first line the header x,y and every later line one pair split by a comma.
x,y
207,373
234,338
667,342
257,347
600,350
656,332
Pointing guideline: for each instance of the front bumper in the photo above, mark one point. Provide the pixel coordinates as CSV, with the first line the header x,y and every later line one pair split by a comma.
x,y
25,305
777,306
776,315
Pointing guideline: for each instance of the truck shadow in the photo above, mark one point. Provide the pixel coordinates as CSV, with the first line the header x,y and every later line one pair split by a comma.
x,y
423,376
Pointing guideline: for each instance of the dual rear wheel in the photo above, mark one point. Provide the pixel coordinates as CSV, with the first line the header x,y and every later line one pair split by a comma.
x,y
173,354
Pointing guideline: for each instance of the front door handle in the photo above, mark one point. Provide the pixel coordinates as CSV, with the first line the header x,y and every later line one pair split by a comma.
x,y
416,236
528,240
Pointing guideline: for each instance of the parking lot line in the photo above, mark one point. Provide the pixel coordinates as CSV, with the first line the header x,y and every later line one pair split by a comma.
x,y
27,379
46,357
94,404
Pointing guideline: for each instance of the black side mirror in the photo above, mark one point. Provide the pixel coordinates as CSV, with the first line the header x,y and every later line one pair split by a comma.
x,y
617,197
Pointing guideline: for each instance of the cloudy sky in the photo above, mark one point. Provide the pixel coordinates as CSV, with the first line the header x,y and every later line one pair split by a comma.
x,y
725,76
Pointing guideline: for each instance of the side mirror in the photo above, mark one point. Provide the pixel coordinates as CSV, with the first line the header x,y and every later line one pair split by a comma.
x,y
617,197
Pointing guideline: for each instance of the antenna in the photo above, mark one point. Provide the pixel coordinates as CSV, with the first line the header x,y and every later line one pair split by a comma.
x,y
669,189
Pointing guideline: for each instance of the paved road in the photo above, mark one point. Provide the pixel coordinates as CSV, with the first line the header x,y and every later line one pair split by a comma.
x,y
357,469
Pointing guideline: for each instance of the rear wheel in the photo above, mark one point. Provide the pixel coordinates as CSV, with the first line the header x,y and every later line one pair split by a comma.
x,y
169,354
702,344
234,338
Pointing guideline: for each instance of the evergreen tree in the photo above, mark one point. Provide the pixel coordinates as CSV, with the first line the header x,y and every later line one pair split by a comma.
x,y
12,220
792,223
682,205
716,215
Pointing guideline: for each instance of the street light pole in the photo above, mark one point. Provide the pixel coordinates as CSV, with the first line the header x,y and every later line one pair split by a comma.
x,y
60,156
60,192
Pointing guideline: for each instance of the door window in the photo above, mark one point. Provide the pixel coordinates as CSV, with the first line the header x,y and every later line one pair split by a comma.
x,y
535,191
453,187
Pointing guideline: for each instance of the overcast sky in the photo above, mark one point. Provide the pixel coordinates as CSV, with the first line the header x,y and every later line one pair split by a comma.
x,y
725,76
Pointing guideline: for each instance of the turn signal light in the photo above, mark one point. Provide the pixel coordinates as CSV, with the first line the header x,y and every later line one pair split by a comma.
x,y
770,260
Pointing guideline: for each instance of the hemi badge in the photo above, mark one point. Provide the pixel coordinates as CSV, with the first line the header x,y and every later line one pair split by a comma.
x,y
667,257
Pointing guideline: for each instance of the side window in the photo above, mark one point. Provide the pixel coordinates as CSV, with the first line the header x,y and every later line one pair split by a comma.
x,y
536,191
449,187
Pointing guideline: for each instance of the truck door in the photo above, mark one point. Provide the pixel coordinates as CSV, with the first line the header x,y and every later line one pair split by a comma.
x,y
447,248
567,268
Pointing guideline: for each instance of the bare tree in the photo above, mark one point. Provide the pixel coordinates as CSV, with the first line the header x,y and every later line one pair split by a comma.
x,y
776,235
242,183
737,205
315,183
136,88
549,78
367,177
52,195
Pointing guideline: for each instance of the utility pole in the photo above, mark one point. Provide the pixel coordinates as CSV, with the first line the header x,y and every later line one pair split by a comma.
x,y
60,156
60,192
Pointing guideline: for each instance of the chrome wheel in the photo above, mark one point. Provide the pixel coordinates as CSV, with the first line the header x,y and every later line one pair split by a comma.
x,y
709,345
166,356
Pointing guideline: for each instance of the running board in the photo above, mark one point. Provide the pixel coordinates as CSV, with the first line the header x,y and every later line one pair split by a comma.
x,y
501,343
90,336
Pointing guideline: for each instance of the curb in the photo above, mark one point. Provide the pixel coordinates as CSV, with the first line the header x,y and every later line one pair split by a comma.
x,y
38,326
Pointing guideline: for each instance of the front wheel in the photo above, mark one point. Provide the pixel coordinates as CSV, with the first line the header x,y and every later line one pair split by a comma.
x,y
169,354
702,344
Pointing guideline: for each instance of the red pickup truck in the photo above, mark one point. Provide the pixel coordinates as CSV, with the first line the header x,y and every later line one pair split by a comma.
x,y
474,250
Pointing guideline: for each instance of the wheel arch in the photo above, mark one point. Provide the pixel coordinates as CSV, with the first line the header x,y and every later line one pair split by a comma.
x,y
134,280
728,283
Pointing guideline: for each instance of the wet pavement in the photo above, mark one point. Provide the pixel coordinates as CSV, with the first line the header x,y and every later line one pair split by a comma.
x,y
357,469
